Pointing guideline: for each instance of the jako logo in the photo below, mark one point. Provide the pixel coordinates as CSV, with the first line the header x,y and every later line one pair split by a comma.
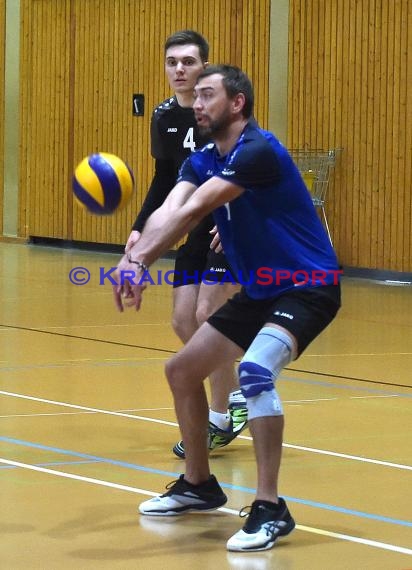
x,y
281,314
172,130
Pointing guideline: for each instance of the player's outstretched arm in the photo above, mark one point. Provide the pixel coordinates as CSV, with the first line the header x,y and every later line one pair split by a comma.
x,y
183,209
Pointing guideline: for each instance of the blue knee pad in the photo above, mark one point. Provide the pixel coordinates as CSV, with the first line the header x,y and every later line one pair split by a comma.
x,y
254,379
267,355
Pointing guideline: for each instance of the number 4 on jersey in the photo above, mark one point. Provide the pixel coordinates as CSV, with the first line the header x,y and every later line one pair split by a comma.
x,y
189,141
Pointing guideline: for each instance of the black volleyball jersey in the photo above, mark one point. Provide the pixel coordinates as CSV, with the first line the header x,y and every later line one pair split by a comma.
x,y
174,136
174,132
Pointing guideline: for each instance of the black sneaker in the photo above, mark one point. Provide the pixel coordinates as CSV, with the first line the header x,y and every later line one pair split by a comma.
x,y
266,522
183,497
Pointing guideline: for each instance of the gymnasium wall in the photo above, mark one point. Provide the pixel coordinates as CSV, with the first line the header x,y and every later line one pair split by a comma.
x,y
350,77
82,60
347,77
2,105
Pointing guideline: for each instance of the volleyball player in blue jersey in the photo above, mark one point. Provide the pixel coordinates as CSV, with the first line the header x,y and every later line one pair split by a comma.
x,y
269,230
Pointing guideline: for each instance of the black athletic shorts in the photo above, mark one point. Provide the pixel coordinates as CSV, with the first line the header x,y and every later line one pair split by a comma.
x,y
303,312
194,266
196,262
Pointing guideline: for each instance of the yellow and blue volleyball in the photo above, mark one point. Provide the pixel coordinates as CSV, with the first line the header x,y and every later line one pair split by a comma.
x,y
103,183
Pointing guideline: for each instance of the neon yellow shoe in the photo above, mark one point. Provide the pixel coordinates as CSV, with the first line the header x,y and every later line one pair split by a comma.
x,y
219,437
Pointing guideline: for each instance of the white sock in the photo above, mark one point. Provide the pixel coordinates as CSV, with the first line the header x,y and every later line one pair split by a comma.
x,y
222,421
236,397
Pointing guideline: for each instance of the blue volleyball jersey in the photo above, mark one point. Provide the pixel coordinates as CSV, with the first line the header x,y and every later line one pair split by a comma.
x,y
271,234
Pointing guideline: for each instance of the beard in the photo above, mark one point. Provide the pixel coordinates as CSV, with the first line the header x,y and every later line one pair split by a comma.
x,y
218,126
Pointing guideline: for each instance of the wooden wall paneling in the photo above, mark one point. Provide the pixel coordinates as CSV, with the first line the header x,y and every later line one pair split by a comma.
x,y
297,75
349,71
81,63
314,63
159,24
262,31
334,98
38,203
61,131
362,220
43,124
25,118
353,134
388,118
374,63
401,189
407,213
373,55
382,157
324,77
2,103
34,206
335,102
106,78
396,192
243,27
348,77
379,135
355,95
33,203
293,56
231,39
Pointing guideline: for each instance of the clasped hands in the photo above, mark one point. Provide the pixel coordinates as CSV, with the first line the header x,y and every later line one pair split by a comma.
x,y
128,289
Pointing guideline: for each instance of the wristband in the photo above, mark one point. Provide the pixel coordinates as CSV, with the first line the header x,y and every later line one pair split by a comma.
x,y
139,264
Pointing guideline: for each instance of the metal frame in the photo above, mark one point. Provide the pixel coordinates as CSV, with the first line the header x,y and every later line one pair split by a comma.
x,y
315,166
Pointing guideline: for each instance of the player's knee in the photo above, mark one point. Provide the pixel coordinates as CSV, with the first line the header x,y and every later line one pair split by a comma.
x,y
264,359
175,375
257,385
170,370
259,368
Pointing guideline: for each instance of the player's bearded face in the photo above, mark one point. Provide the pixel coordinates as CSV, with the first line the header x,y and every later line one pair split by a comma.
x,y
212,106
214,125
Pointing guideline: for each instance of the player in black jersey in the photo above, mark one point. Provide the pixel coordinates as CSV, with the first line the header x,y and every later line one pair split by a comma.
x,y
174,135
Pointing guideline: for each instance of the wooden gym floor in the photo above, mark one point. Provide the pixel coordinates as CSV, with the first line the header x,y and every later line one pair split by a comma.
x,y
87,427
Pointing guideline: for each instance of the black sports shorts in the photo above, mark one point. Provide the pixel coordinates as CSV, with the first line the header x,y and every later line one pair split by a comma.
x,y
304,312
197,266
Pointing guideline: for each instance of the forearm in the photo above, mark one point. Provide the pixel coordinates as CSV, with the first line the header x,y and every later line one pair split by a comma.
x,y
181,212
165,227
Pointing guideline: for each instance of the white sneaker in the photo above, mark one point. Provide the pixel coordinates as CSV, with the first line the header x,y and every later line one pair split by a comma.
x,y
183,497
265,524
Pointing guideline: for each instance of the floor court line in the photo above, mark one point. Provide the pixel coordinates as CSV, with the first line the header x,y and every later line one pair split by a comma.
x,y
127,465
174,424
322,532
324,383
40,415
86,408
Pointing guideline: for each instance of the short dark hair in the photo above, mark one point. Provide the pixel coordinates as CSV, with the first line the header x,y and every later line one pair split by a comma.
x,y
234,81
185,37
